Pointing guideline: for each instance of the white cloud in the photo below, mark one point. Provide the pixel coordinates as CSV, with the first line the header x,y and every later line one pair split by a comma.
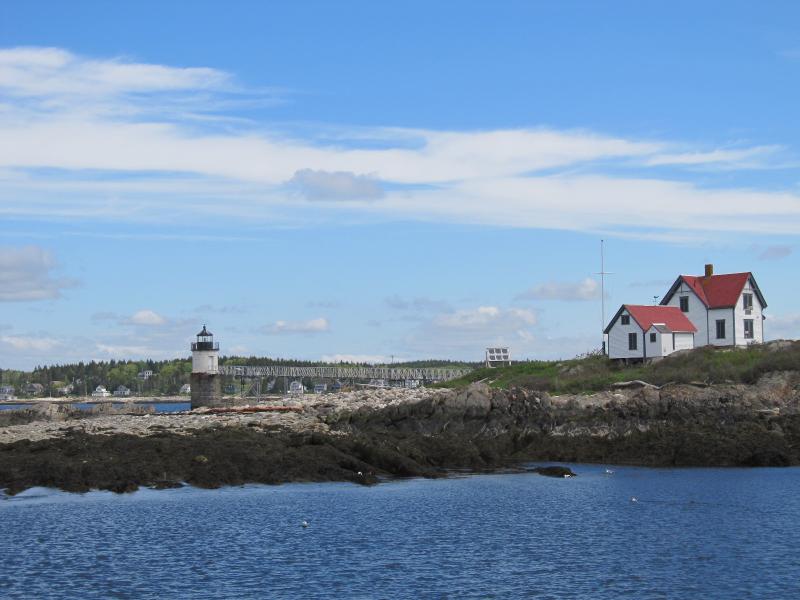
x,y
588,289
489,319
44,72
26,273
734,158
466,332
416,305
66,112
23,343
127,351
318,325
342,185
358,358
147,317
785,326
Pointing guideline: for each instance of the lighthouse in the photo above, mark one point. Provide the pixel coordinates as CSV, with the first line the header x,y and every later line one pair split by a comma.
x,y
205,370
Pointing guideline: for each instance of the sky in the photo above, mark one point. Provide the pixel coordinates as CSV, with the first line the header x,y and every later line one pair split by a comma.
x,y
377,181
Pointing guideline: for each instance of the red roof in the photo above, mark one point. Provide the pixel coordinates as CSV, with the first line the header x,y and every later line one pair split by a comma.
x,y
671,316
718,291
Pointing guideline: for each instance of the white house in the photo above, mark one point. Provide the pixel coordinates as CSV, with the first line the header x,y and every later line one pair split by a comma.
x,y
728,310
639,332
101,392
122,391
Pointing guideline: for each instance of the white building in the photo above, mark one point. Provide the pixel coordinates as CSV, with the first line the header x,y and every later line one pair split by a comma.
x,y
122,392
101,392
648,332
498,357
728,310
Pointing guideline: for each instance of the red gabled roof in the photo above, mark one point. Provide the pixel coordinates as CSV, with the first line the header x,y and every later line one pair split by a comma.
x,y
718,291
671,316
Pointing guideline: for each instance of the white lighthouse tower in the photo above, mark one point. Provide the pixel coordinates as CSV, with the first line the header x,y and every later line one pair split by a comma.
x,y
205,370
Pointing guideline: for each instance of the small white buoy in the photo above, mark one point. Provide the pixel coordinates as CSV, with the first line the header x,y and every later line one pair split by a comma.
x,y
304,523
609,472
634,499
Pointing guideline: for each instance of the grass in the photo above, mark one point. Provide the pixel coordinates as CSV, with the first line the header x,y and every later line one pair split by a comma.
x,y
595,372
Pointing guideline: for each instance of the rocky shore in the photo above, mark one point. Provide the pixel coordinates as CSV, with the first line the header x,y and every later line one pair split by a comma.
x,y
368,435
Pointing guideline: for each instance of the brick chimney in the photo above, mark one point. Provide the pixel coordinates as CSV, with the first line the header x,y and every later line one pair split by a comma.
x,y
709,270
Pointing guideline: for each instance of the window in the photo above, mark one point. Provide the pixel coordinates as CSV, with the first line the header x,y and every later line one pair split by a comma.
x,y
747,302
652,338
748,329
684,303
626,319
720,329
632,341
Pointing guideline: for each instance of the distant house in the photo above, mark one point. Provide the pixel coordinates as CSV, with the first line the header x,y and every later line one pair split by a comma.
x,y
185,389
648,332
66,390
145,375
100,392
728,310
296,387
33,389
121,392
320,388
7,392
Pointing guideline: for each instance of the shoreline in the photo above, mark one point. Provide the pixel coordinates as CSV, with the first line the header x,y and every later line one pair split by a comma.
x,y
363,437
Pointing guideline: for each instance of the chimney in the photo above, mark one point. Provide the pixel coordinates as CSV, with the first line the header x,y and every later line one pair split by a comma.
x,y
709,270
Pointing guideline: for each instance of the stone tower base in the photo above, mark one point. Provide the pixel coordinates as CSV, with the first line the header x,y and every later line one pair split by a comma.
x,y
205,390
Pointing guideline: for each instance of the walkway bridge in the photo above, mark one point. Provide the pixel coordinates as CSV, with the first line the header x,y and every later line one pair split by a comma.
x,y
427,375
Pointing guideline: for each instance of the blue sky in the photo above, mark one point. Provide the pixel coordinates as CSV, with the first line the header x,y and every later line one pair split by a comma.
x,y
362,180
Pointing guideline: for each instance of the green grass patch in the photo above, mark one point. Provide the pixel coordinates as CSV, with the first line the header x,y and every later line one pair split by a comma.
x,y
595,372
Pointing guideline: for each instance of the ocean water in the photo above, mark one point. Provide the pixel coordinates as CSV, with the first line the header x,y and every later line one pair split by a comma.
x,y
692,533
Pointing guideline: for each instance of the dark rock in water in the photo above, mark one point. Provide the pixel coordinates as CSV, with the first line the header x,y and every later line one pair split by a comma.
x,y
554,471
166,485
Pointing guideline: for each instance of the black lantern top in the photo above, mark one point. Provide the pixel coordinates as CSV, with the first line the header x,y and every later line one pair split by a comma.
x,y
205,341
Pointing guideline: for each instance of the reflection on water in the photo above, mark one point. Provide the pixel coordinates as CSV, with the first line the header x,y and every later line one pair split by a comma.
x,y
694,533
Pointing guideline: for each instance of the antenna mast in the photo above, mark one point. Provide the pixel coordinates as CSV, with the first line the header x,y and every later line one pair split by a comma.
x,y
603,274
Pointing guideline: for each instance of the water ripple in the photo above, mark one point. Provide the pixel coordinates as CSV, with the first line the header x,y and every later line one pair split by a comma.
x,y
694,533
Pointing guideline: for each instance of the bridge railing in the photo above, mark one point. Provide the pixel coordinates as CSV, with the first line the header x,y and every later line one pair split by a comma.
x,y
345,372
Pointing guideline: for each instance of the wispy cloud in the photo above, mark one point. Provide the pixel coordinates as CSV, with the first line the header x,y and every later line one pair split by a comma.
x,y
27,273
419,304
786,326
775,252
73,129
312,326
588,289
144,317
147,317
737,158
29,343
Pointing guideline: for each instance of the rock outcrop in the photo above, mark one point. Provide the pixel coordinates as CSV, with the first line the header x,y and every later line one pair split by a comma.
x,y
369,435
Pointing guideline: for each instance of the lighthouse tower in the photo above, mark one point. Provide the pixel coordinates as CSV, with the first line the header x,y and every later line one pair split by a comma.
x,y
205,370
